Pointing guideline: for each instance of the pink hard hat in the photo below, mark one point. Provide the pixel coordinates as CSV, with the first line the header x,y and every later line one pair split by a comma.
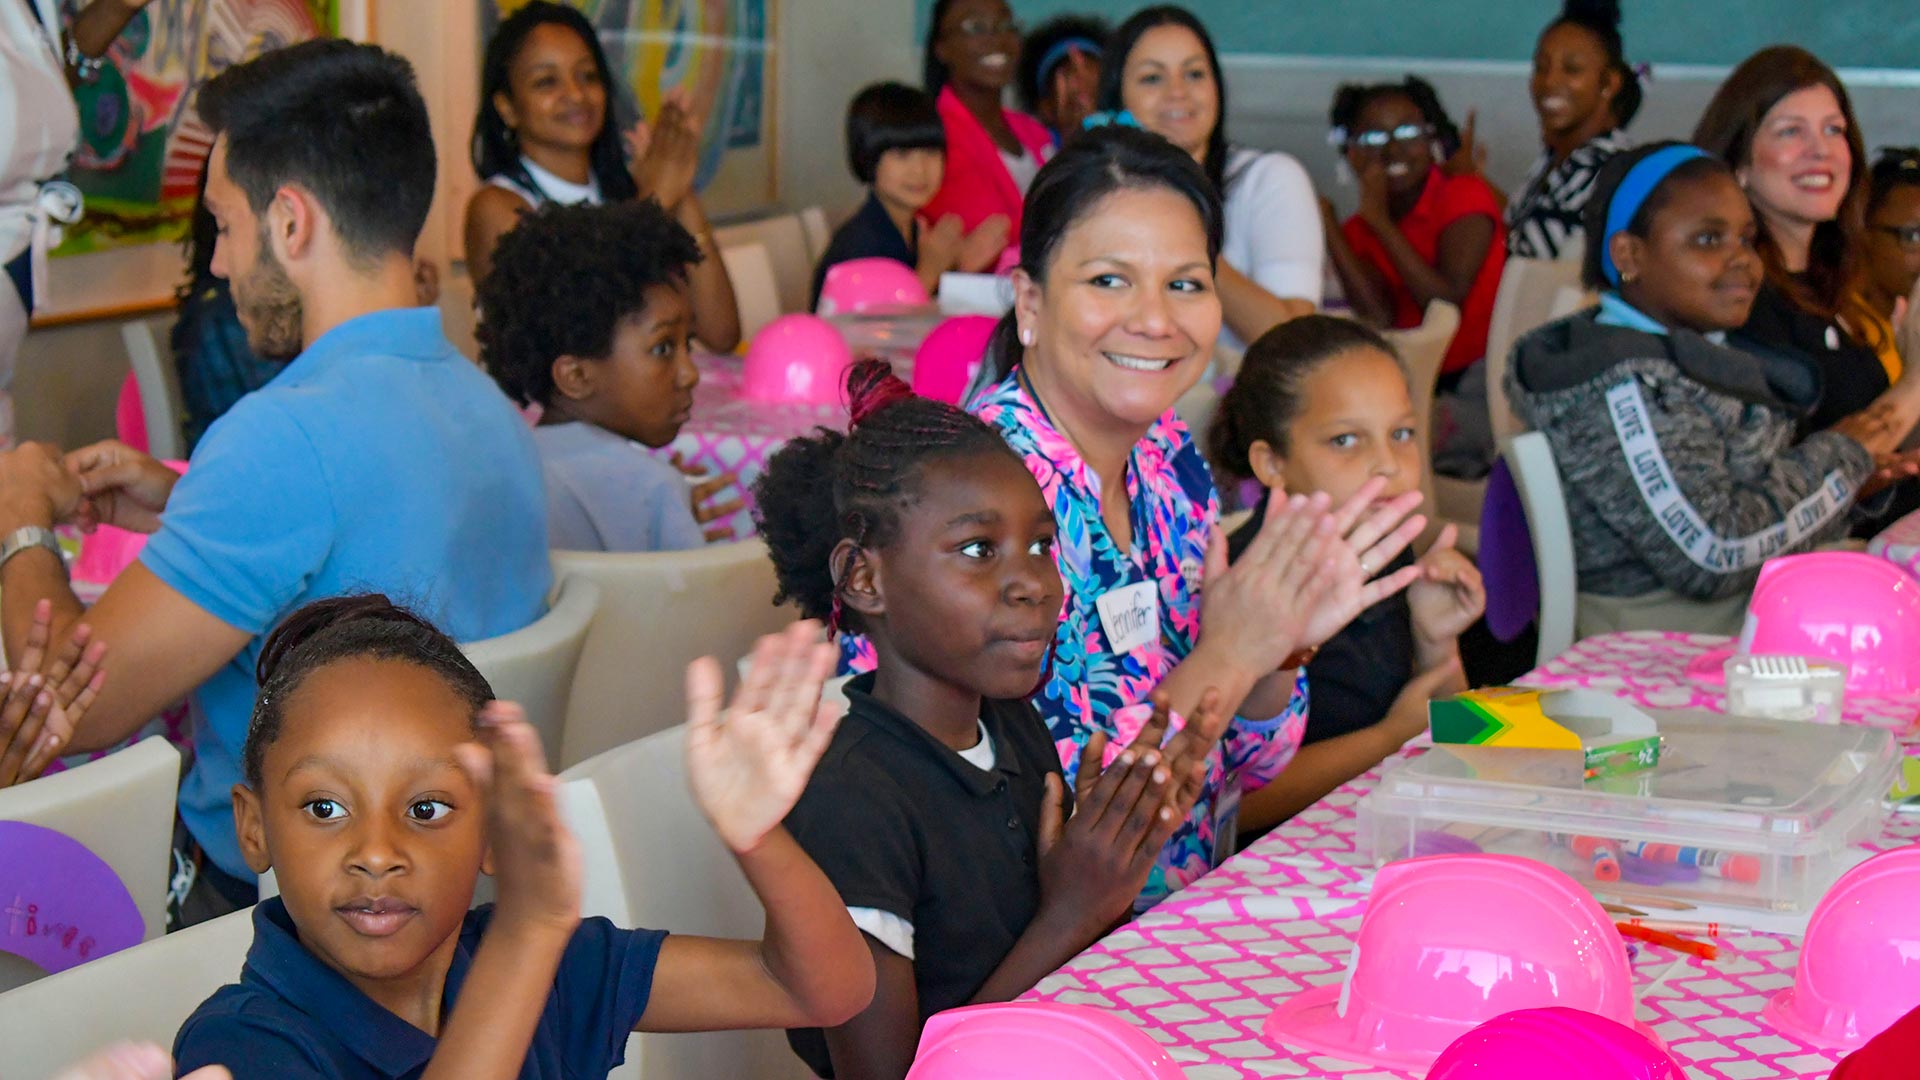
x,y
1449,942
949,355
1037,1040
1854,609
861,285
1563,1043
796,359
1860,960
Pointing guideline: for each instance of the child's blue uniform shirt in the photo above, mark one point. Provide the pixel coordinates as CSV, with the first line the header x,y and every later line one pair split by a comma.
x,y
291,1016
380,460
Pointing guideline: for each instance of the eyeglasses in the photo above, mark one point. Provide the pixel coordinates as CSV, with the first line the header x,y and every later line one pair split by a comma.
x,y
979,28
1907,236
1377,139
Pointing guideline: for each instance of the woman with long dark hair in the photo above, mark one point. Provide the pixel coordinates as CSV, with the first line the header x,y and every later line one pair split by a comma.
x,y
545,133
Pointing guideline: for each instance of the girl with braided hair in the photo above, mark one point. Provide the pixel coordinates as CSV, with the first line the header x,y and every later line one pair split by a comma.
x,y
939,810
1423,233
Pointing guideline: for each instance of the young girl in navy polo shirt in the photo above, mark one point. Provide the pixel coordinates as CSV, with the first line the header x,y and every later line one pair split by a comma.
x,y
1322,404
369,796
938,811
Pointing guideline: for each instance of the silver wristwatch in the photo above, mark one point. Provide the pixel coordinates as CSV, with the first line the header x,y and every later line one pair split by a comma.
x,y
31,536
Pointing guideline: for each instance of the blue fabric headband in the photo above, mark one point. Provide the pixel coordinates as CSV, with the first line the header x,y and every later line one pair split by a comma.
x,y
1052,57
1632,193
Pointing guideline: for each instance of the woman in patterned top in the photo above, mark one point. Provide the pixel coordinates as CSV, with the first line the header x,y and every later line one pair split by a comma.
x,y
1115,316
1585,93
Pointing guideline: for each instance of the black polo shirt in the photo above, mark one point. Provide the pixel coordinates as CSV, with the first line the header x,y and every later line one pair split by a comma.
x,y
902,823
1355,677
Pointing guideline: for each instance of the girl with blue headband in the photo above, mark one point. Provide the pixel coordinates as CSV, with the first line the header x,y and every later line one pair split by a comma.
x,y
1677,453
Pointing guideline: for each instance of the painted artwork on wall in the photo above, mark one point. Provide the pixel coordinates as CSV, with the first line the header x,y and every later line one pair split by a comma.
x,y
719,52
141,143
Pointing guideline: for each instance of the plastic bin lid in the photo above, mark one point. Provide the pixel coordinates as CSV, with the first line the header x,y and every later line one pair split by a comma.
x,y
1777,786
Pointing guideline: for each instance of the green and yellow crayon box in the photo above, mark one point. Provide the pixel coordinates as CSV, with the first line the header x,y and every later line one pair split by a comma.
x,y
1614,737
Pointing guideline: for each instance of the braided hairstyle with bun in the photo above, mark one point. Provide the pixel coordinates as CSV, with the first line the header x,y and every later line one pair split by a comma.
x,y
830,486
346,628
1601,18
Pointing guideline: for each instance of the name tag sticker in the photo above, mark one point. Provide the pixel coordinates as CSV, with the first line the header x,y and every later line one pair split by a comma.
x,y
1130,615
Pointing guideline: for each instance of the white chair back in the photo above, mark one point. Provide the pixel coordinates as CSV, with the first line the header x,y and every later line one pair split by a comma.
x,y
813,222
1526,300
785,239
1535,476
121,809
659,611
159,387
1423,349
652,860
755,292
142,993
534,666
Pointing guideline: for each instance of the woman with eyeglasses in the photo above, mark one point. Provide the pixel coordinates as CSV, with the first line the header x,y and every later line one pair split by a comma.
x,y
1165,76
1584,93
993,153
1893,244
1421,234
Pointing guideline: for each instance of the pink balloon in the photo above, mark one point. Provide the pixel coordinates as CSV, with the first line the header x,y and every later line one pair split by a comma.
x,y
950,355
796,359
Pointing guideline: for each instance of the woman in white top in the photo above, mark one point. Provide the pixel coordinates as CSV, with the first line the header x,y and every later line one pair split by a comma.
x,y
1162,70
545,134
39,126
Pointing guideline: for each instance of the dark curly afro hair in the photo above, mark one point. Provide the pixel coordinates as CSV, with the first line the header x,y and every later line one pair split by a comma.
x,y
562,280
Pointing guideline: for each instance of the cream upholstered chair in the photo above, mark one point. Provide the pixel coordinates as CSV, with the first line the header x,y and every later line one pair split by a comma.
x,y
784,236
813,222
1424,348
658,612
1535,476
755,290
142,993
652,860
159,387
1528,298
121,809
534,666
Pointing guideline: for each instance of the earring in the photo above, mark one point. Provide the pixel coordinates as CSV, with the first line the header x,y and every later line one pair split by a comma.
x,y
1628,279
1026,337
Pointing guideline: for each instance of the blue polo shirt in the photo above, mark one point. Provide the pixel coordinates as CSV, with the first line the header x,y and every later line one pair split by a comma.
x,y
291,1016
380,460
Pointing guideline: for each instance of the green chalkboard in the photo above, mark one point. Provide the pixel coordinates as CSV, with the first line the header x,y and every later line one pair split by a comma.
x,y
1844,33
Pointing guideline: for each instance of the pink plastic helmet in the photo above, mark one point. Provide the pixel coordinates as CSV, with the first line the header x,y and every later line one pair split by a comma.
x,y
796,359
1037,1040
861,285
1860,961
1452,941
948,357
1846,606
1566,1044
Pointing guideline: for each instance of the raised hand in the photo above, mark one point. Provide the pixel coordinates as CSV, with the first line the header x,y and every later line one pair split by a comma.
x,y
1448,596
1371,172
39,711
668,153
940,244
748,764
122,486
535,860
1471,158
1096,856
1374,536
983,245
1257,611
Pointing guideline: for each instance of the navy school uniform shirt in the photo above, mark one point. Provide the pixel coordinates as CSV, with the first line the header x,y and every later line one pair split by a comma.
x,y
292,1016
869,233
901,823
1359,672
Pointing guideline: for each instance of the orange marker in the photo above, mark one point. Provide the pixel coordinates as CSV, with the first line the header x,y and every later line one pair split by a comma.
x,y
1700,949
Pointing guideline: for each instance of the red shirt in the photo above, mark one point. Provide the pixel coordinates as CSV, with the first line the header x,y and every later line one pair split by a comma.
x,y
1889,1055
1445,200
977,185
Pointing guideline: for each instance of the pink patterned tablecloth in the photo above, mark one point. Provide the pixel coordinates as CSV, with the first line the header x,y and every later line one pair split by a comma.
x,y
728,433
1899,543
1201,972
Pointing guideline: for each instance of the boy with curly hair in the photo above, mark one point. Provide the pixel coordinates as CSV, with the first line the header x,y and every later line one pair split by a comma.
x,y
586,315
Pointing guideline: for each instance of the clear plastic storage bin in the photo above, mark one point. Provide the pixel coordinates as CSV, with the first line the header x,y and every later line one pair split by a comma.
x,y
1748,813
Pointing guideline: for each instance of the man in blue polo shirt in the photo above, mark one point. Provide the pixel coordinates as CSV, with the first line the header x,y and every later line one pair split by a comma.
x,y
380,459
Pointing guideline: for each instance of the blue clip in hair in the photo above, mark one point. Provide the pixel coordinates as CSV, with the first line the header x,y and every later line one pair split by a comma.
x,y
1631,195
1120,118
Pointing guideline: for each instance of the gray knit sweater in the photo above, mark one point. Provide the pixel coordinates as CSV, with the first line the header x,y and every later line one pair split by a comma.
x,y
1678,458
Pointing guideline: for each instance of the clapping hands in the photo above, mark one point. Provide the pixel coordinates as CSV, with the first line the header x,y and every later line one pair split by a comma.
x,y
39,711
